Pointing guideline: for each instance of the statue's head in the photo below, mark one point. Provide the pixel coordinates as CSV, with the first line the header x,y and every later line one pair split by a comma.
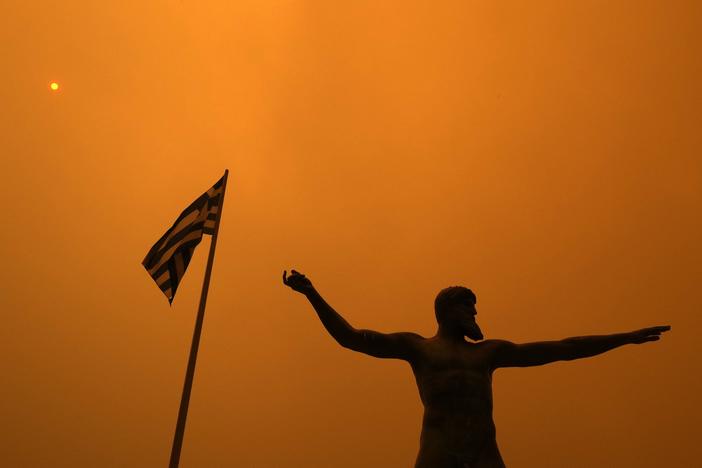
x,y
455,309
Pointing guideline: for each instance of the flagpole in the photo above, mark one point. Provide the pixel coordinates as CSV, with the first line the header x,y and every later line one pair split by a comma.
x,y
190,373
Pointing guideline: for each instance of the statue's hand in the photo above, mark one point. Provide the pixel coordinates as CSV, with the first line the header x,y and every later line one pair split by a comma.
x,y
298,282
648,334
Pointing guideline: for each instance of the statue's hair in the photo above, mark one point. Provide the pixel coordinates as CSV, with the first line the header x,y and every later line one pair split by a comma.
x,y
451,296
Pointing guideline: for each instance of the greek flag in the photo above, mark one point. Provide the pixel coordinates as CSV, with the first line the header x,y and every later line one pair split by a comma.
x,y
169,257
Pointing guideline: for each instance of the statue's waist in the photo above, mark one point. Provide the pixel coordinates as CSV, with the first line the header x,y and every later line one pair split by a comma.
x,y
458,412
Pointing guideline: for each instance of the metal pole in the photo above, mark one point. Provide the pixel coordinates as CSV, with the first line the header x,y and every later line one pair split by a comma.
x,y
190,373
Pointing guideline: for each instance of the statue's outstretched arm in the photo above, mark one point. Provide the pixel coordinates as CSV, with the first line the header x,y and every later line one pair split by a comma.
x,y
508,354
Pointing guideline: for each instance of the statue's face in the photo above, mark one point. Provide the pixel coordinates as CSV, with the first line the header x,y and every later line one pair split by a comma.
x,y
463,317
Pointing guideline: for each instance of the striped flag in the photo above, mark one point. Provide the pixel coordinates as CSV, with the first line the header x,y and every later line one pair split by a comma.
x,y
169,257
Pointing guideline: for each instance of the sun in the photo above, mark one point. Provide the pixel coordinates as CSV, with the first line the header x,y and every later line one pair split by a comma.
x,y
54,86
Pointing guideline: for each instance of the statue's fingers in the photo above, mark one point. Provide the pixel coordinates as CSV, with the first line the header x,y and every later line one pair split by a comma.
x,y
285,274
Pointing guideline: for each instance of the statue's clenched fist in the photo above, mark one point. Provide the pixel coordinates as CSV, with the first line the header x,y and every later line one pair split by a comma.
x,y
298,282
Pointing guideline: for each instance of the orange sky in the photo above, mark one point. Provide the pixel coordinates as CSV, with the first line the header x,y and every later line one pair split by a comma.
x,y
545,154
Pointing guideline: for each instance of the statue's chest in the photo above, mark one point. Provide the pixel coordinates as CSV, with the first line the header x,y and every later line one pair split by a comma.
x,y
456,379
445,358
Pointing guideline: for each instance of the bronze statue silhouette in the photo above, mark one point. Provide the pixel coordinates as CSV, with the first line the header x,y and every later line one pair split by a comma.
x,y
454,376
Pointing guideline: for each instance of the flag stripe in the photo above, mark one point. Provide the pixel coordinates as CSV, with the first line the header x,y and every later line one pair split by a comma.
x,y
179,265
178,238
178,228
163,277
165,285
164,268
175,279
166,256
187,255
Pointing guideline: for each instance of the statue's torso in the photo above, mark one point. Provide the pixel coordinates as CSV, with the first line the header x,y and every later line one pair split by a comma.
x,y
455,386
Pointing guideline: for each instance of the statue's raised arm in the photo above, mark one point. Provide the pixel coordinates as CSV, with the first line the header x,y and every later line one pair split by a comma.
x,y
373,343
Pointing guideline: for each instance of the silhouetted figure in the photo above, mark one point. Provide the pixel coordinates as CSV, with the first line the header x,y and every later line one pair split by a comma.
x,y
454,376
